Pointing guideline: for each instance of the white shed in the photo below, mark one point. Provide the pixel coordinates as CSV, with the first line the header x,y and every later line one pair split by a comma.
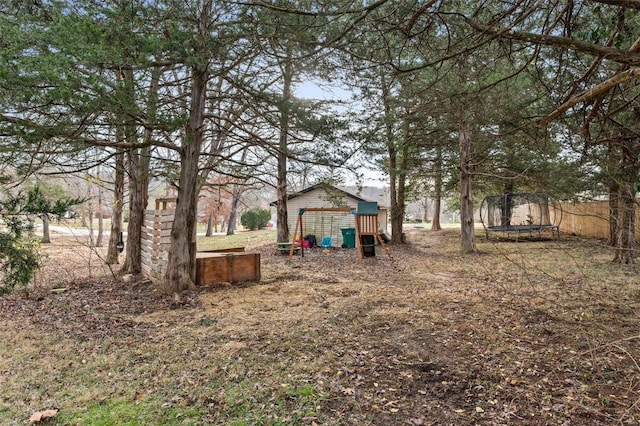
x,y
323,224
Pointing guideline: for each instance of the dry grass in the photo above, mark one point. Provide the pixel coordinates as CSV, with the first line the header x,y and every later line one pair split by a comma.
x,y
532,333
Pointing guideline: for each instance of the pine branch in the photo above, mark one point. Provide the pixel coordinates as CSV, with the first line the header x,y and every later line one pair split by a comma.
x,y
605,86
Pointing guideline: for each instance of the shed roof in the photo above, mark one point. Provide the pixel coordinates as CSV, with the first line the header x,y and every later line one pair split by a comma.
x,y
322,186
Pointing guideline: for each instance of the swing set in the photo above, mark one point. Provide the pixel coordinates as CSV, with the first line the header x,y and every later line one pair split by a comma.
x,y
366,229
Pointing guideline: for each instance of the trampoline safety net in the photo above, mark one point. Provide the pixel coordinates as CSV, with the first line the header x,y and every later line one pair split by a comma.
x,y
520,212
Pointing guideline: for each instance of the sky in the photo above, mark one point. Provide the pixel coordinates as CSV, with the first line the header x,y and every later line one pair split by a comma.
x,y
311,90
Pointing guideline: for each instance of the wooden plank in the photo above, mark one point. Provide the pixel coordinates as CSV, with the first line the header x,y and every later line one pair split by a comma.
x,y
161,203
152,225
160,262
162,213
146,238
152,270
157,239
224,250
156,243
160,232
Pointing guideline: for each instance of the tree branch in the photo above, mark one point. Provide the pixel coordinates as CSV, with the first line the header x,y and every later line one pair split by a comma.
x,y
630,58
627,4
605,86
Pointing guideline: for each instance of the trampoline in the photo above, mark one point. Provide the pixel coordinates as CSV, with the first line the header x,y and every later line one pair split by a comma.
x,y
530,213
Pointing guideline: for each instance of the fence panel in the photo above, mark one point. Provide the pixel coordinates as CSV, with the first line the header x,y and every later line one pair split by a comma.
x,y
589,219
155,243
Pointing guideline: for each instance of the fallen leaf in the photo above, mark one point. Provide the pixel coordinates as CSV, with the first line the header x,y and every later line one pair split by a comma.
x,y
348,391
42,415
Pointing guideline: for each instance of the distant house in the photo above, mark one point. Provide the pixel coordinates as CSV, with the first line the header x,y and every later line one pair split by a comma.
x,y
327,223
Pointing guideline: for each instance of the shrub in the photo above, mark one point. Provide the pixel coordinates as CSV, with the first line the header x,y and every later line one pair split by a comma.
x,y
19,248
19,255
255,218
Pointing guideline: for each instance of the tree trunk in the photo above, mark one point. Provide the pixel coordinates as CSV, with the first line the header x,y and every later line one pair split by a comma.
x,y
116,211
233,213
628,176
401,180
139,163
83,216
435,221
396,217
281,185
437,190
614,191
209,232
235,200
100,212
467,230
138,187
91,234
625,238
426,205
180,274
396,214
181,267
614,195
46,235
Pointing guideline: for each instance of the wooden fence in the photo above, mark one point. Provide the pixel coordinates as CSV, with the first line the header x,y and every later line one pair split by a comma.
x,y
156,238
589,219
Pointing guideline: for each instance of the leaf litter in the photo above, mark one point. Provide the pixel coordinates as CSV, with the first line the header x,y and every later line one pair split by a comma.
x,y
531,333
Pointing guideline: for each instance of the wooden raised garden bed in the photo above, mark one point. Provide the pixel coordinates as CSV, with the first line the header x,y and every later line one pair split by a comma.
x,y
228,265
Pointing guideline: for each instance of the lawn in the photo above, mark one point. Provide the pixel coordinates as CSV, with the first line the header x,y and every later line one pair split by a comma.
x,y
527,333
240,239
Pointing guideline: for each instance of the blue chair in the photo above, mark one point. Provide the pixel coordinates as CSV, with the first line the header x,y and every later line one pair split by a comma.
x,y
326,242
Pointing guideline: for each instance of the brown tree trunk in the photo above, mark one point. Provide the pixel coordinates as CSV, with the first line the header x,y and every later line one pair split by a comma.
x,y
614,195
437,193
139,163
181,267
100,210
507,204
235,200
116,212
209,232
625,241
180,274
614,191
401,180
467,230
396,214
281,185
138,188
91,234
628,176
396,217
46,235
83,216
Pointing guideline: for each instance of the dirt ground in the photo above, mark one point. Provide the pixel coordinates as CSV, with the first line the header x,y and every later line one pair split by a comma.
x,y
526,333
